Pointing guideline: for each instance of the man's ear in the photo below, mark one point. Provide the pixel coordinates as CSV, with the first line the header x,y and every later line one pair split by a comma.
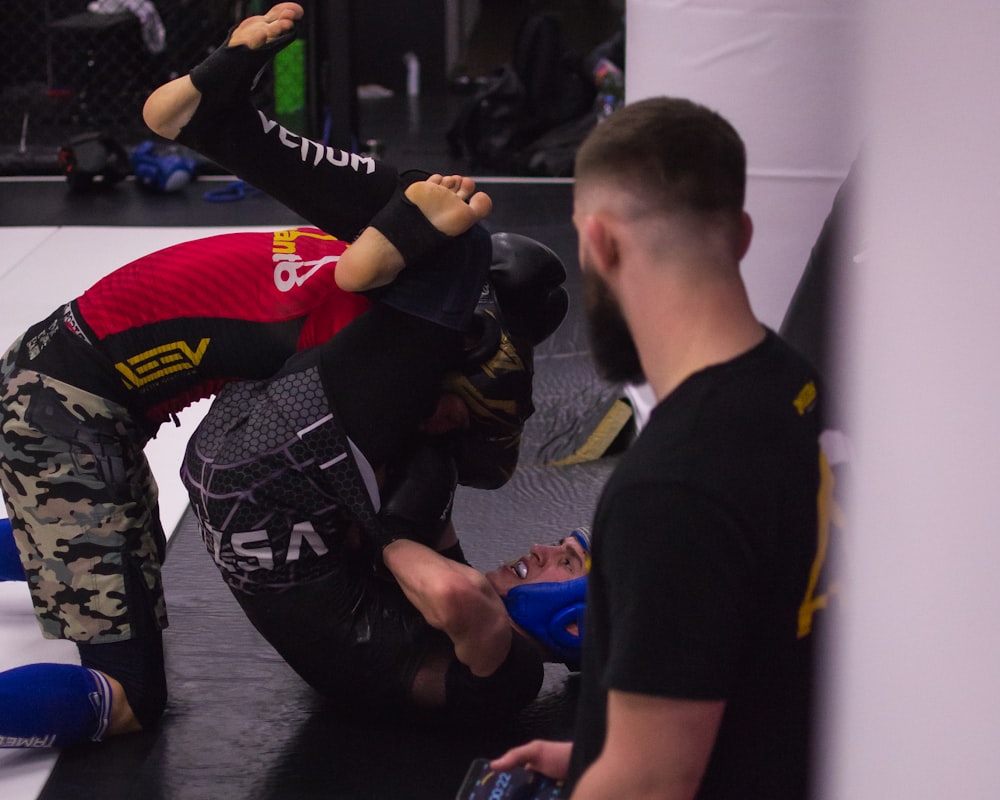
x,y
602,243
746,234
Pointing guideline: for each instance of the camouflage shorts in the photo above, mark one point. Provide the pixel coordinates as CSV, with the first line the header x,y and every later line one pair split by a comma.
x,y
83,504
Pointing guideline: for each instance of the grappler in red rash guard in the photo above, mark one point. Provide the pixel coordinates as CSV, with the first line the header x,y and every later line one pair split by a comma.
x,y
85,389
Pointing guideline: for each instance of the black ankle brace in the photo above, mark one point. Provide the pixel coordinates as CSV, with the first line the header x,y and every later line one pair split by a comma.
x,y
232,72
406,227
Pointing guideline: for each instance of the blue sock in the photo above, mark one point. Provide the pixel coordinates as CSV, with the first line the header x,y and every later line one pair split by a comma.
x,y
53,705
10,561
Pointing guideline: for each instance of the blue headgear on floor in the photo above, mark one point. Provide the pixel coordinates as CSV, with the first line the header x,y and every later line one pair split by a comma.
x,y
162,170
546,610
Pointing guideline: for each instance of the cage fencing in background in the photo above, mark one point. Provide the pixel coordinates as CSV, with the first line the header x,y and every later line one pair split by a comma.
x,y
70,67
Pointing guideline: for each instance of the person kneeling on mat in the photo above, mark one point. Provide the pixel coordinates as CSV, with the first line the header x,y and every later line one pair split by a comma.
x,y
59,705
441,633
83,391
127,666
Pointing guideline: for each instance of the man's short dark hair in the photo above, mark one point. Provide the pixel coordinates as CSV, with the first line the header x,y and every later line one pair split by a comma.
x,y
671,153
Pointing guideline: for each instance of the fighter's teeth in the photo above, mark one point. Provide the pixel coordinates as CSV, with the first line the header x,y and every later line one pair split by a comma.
x,y
521,569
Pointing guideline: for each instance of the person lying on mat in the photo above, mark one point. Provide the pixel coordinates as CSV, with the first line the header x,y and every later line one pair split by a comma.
x,y
303,506
209,111
405,621
93,389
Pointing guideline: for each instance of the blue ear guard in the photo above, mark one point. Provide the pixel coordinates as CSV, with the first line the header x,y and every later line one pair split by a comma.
x,y
161,171
544,610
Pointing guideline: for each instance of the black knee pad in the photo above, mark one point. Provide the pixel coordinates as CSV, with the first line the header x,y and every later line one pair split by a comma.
x,y
137,664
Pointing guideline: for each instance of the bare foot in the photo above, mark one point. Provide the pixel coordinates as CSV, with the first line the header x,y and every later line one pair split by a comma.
x,y
257,31
451,203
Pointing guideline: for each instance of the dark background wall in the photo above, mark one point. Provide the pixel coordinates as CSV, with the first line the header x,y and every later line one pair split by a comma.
x,y
64,71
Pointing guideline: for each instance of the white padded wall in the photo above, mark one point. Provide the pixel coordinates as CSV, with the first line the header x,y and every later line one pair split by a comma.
x,y
784,73
917,701
914,709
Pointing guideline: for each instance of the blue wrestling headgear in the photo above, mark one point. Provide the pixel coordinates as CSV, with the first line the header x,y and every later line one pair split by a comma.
x,y
546,610
162,169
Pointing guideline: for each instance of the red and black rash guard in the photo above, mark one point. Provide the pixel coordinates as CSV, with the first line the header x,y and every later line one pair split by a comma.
x,y
173,326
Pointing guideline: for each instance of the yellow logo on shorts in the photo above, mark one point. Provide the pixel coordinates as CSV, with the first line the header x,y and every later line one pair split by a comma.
x,y
158,363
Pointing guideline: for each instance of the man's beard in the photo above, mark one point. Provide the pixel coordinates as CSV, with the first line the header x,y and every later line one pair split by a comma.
x,y
611,342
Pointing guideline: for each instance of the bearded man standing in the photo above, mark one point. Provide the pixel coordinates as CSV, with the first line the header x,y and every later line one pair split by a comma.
x,y
698,638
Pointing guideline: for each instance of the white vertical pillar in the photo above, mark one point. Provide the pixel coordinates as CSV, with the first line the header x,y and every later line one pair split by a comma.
x,y
784,73
916,702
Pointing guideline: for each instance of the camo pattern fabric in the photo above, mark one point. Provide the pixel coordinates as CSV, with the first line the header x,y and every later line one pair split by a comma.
x,y
83,504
